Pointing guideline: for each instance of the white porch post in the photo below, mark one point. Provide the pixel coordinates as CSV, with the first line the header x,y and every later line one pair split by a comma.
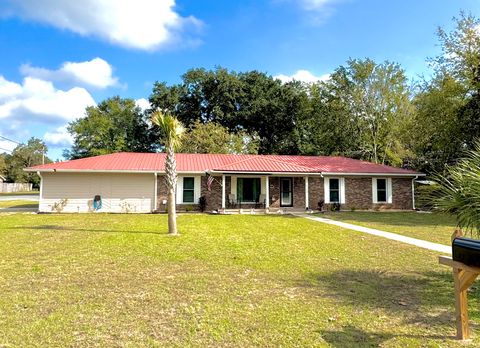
x,y
223,191
267,193
306,193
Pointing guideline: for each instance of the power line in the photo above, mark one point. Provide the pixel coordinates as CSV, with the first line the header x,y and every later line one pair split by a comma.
x,y
13,141
1,148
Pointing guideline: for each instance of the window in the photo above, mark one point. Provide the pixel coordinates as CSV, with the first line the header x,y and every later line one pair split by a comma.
x,y
188,190
248,189
381,190
334,190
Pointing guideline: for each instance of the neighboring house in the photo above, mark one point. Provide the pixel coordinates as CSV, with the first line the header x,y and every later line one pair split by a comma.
x,y
134,182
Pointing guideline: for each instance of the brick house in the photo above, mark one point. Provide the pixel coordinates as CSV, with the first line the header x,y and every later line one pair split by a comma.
x,y
134,182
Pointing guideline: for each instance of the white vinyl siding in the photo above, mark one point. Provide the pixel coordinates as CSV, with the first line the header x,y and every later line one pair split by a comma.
x,y
119,192
196,190
326,188
389,191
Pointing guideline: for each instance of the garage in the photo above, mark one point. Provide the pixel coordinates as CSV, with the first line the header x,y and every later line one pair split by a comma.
x,y
81,192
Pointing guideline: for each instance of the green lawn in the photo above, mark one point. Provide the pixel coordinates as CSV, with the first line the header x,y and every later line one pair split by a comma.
x,y
21,203
436,228
227,281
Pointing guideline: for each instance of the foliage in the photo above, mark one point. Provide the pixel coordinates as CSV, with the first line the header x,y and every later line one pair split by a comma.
x,y
26,155
213,138
114,125
202,203
458,191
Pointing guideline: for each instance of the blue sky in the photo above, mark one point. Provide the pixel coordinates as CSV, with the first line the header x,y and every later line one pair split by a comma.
x,y
59,56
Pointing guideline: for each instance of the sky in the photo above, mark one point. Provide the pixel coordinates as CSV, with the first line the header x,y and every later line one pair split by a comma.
x,y
58,57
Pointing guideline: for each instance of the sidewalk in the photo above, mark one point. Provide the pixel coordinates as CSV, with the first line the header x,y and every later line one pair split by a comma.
x,y
446,249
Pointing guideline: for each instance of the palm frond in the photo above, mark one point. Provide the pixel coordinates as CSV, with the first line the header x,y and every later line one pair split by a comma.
x,y
172,129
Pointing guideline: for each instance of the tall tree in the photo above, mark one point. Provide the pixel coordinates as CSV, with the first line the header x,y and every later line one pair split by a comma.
x,y
172,130
378,98
114,125
26,155
214,138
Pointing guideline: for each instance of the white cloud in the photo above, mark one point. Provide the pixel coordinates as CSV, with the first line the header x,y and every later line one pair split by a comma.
x,y
303,76
96,73
316,4
140,24
143,104
7,146
39,100
58,138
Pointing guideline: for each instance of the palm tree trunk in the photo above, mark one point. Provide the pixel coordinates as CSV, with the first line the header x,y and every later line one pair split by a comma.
x,y
171,178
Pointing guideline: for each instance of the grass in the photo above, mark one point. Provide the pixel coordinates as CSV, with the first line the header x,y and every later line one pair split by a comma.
x,y
22,203
436,228
22,193
228,281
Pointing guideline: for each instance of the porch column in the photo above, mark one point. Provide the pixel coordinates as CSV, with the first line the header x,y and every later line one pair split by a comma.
x,y
306,193
267,192
223,191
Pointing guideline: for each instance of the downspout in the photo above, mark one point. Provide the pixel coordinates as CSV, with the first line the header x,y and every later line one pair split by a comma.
x,y
413,192
41,191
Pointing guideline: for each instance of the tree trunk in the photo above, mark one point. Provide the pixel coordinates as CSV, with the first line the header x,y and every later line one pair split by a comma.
x,y
171,179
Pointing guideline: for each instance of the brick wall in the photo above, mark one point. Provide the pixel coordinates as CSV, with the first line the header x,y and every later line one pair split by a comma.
x,y
315,191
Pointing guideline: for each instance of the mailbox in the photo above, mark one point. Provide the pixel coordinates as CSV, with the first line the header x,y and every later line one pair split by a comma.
x,y
466,251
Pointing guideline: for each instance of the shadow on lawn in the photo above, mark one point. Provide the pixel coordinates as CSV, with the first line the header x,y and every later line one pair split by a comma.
x,y
424,300
73,229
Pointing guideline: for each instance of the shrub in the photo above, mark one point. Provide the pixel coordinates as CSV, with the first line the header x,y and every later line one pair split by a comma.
x,y
202,203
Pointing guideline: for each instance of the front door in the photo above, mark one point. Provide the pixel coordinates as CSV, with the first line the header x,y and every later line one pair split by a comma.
x,y
286,194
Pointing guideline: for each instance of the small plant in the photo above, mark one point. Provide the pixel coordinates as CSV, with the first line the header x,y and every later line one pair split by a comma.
x,y
321,204
202,203
189,208
352,209
126,207
60,205
335,207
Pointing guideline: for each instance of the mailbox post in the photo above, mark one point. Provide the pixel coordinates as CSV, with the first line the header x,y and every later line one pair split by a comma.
x,y
463,277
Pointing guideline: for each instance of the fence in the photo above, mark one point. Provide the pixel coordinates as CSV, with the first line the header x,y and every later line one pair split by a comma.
x,y
15,187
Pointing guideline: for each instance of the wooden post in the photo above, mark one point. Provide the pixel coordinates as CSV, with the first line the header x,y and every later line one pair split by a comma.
x,y
463,277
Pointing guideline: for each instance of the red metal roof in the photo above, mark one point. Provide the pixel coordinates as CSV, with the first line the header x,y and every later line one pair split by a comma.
x,y
154,162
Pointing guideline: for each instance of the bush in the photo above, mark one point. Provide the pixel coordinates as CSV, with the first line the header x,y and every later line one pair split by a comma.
x,y
202,203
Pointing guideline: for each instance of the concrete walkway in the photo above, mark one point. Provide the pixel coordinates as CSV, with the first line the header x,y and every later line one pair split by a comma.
x,y
446,249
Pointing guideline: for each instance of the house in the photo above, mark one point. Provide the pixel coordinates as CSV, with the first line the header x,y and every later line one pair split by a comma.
x,y
134,182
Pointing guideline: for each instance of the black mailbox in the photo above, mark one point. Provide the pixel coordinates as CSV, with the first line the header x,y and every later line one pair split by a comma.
x,y
467,251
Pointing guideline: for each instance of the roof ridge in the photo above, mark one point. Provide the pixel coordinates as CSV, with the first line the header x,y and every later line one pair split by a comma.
x,y
290,163
236,162
265,157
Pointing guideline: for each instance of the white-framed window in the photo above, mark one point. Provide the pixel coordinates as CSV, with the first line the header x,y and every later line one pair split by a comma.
x,y
334,190
247,189
188,189
382,190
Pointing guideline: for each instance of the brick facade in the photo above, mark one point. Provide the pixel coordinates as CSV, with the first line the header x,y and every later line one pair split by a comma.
x,y
358,194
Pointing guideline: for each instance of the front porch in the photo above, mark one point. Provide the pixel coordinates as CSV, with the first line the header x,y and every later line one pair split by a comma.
x,y
272,193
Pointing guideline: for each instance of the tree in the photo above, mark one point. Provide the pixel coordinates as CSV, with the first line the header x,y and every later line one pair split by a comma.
x,y
172,130
114,125
3,164
213,138
458,191
377,97
26,155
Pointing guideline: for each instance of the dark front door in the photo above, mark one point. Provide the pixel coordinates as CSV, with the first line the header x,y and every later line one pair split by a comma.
x,y
286,192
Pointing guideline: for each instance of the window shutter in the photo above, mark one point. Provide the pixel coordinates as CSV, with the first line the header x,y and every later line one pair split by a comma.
x,y
240,189
326,190
197,189
179,192
389,191
342,190
374,190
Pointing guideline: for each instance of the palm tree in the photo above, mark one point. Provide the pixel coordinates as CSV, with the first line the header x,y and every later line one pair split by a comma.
x,y
458,192
172,130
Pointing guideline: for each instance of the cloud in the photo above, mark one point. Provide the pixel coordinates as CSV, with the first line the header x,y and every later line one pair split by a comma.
x,y
7,146
38,100
303,76
316,4
58,138
140,24
143,104
95,73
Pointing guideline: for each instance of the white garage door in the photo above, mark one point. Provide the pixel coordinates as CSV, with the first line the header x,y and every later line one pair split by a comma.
x,y
74,192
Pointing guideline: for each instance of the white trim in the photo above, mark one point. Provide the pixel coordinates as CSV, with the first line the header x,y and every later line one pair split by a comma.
x,y
233,186
413,192
341,189
326,190
223,191
389,191
371,174
267,192
374,191
307,203
155,187
40,198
